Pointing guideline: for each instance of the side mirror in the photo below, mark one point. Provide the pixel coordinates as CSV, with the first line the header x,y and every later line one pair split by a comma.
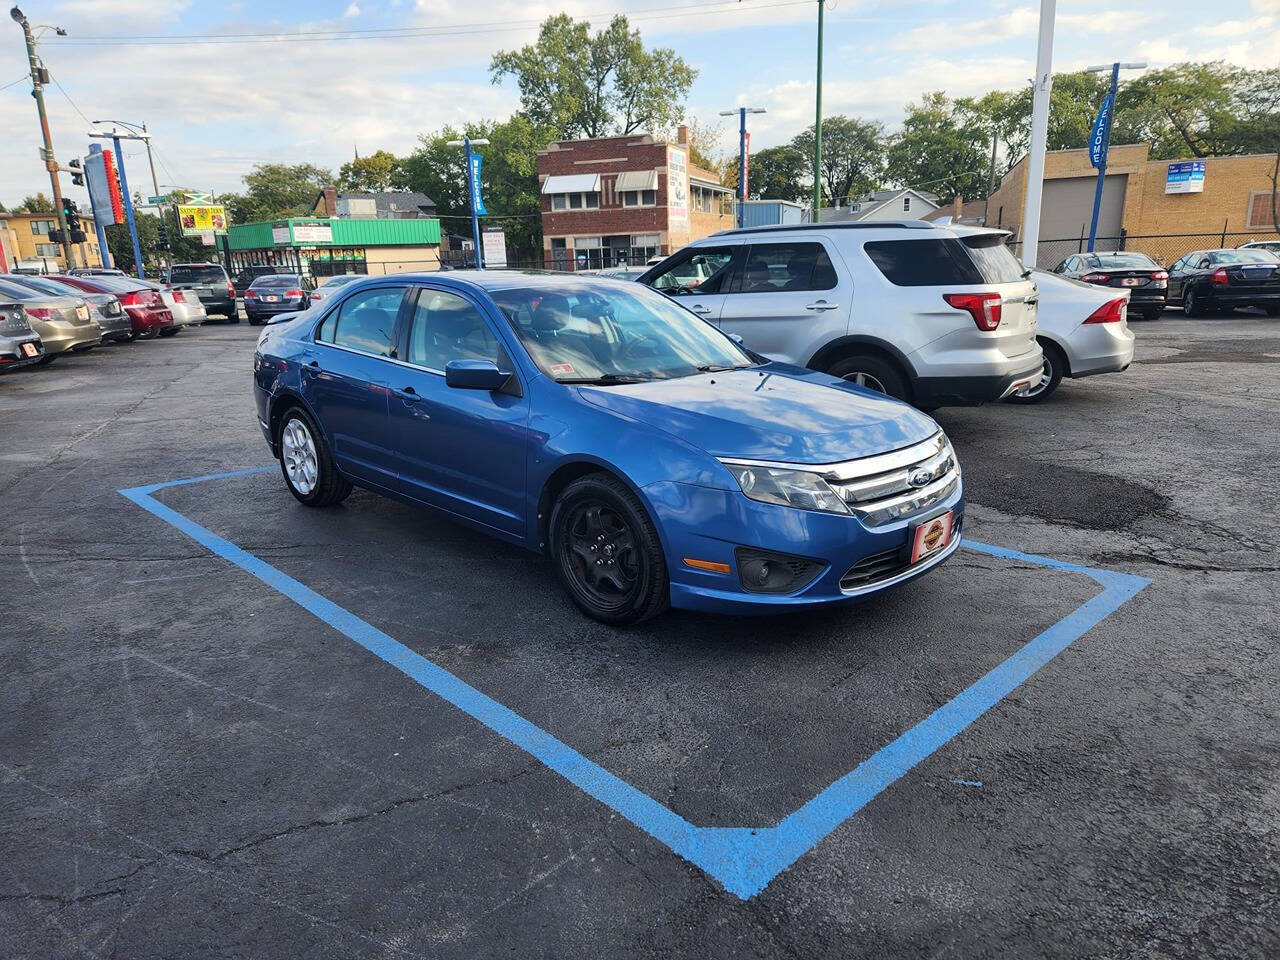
x,y
475,375
737,338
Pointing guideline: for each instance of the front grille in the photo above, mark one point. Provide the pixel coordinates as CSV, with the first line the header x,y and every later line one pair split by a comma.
x,y
899,485
885,566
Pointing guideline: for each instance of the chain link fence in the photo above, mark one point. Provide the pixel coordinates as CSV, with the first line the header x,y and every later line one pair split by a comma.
x,y
1164,248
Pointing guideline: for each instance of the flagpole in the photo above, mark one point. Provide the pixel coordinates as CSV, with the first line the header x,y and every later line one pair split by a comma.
x,y
1100,140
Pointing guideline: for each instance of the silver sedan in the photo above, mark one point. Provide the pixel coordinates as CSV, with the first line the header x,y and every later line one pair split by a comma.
x,y
185,306
1083,330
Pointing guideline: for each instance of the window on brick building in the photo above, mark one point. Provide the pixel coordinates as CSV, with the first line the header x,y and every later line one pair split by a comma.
x,y
639,198
576,201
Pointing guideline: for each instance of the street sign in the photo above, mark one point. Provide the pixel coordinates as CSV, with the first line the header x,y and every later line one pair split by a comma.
x,y
157,201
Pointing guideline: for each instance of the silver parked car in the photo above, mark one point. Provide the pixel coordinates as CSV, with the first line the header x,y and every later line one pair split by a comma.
x,y
105,306
933,314
19,344
185,306
65,323
1083,330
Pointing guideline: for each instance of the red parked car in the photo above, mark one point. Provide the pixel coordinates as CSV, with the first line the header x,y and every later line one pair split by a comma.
x,y
147,312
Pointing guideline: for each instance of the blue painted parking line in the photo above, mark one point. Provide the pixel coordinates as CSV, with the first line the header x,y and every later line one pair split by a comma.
x,y
743,859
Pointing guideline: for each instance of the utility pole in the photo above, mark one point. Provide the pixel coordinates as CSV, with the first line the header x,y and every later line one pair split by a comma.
x,y
817,127
39,75
1043,84
473,189
742,157
1100,138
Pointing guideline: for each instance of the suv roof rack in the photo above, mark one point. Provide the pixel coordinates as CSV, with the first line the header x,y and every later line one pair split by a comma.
x,y
837,225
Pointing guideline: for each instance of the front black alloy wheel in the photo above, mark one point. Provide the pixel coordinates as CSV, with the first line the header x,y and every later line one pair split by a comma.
x,y
1191,305
607,553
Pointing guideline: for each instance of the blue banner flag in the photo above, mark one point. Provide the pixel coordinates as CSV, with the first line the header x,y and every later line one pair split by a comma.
x,y
1100,136
477,201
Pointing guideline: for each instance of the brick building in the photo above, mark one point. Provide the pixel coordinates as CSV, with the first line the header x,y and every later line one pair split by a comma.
x,y
27,244
1143,202
613,201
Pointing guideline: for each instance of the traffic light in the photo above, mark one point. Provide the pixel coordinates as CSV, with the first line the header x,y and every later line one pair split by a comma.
x,y
57,236
77,172
164,234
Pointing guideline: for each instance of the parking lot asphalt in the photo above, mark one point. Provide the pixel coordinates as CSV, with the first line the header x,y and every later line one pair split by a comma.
x,y
193,765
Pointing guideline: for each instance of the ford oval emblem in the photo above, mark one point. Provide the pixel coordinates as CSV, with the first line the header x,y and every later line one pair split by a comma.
x,y
919,478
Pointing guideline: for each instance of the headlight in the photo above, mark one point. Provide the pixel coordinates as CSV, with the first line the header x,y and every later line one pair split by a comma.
x,y
789,488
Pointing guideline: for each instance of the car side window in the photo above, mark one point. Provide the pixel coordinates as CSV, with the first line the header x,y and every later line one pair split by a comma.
x,y
365,321
704,270
787,267
448,327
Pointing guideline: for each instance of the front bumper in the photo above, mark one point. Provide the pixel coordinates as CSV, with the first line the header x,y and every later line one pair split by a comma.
x,y
708,524
1095,348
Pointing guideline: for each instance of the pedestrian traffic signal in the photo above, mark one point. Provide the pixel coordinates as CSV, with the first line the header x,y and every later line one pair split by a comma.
x,y
77,235
77,172
164,235
57,236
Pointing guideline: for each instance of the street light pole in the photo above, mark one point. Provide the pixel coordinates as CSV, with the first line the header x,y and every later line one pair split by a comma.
x,y
1102,135
817,127
155,182
472,192
115,136
742,156
37,91
1043,84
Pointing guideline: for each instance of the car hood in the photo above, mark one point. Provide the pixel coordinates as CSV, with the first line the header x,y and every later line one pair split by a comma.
x,y
768,414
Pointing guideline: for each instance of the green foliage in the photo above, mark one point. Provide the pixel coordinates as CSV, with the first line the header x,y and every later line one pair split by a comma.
x,y
941,148
509,185
374,173
276,190
853,156
37,204
574,83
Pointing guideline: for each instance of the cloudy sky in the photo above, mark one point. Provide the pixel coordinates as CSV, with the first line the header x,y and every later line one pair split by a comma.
x,y
217,107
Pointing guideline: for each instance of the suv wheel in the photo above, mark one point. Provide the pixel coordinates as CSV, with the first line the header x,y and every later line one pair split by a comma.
x,y
607,553
308,468
873,373
1054,367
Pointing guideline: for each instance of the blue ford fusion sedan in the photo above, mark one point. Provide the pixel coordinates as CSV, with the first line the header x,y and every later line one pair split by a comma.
x,y
655,460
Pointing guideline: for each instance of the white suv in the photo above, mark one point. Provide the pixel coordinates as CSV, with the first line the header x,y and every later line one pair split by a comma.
x,y
934,314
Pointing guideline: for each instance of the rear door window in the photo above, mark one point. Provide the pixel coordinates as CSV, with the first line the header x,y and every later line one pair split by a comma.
x,y
924,263
365,321
784,267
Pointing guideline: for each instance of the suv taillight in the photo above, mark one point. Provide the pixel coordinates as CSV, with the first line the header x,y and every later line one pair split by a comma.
x,y
1113,311
1220,277
231,291
983,307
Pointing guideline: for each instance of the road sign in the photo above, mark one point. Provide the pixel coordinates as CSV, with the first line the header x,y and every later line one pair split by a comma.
x,y
157,201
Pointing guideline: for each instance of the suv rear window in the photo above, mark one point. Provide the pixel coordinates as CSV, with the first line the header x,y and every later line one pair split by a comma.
x,y
945,262
209,274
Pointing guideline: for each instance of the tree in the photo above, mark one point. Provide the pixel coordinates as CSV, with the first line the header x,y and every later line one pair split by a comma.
x,y
853,156
577,84
509,185
373,173
704,140
37,204
181,249
941,148
276,190
780,173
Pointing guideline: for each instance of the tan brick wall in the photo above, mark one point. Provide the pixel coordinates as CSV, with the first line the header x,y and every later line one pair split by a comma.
x,y
383,260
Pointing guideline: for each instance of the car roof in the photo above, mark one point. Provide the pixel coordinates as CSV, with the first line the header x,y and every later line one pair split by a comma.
x,y
490,280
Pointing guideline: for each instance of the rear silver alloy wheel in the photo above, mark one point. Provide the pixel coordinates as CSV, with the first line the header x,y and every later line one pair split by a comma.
x,y
1039,387
299,452
870,381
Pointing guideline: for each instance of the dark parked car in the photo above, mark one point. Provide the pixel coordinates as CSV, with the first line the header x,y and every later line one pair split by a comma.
x,y
1216,281
654,460
1146,281
245,278
148,315
208,282
278,293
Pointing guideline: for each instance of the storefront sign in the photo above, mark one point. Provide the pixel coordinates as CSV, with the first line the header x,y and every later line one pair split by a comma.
x,y
1185,176
280,233
494,241
312,231
677,185
206,238
195,220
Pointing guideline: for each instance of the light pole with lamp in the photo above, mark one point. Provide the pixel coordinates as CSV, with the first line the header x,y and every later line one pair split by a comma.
x,y
742,155
474,201
1100,137
115,136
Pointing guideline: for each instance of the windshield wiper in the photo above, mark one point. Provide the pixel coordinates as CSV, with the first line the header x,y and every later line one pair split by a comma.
x,y
721,367
605,379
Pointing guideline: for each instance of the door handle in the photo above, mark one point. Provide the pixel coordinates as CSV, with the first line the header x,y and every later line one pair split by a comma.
x,y
408,395
822,305
311,366
700,310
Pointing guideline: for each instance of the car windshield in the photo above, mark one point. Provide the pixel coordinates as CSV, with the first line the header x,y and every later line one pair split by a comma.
x,y
197,274
1109,260
1243,256
277,280
609,332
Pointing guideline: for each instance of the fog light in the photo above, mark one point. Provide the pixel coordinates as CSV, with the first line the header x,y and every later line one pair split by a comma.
x,y
762,572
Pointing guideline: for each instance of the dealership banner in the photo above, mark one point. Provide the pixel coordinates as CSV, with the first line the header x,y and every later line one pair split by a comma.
x,y
104,188
477,201
1185,176
1100,136
195,220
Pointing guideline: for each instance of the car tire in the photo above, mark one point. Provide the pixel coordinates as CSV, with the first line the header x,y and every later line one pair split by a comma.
x,y
47,359
170,332
873,373
1191,304
306,464
1055,365
607,553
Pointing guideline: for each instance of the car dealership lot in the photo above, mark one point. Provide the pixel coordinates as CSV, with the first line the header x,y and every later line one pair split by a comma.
x,y
191,764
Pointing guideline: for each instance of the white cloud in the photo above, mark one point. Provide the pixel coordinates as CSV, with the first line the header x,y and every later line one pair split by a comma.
x,y
955,35
353,10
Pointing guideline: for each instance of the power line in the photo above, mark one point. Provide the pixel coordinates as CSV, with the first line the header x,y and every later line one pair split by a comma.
x,y
70,101
25,76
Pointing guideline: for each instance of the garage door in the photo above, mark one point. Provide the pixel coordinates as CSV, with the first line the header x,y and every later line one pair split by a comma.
x,y
1068,205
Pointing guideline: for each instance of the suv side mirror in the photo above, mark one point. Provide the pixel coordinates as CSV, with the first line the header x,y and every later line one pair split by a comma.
x,y
475,375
